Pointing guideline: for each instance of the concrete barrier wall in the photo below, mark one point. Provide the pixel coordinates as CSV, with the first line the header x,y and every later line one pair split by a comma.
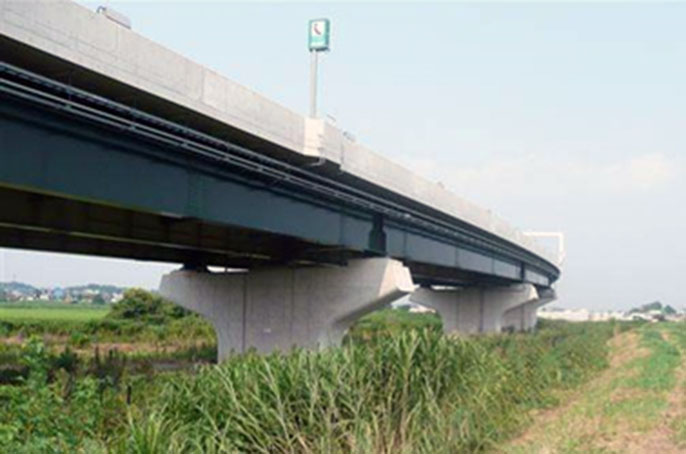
x,y
77,34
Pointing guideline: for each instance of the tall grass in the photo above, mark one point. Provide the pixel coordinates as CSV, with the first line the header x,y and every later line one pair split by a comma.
x,y
412,392
417,392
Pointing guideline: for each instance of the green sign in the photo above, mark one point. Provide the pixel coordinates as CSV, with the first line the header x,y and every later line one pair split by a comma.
x,y
320,32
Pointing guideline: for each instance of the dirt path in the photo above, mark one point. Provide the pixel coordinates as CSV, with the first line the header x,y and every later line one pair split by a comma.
x,y
636,406
662,438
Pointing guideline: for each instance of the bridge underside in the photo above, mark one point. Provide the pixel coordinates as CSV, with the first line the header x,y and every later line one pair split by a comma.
x,y
42,222
30,220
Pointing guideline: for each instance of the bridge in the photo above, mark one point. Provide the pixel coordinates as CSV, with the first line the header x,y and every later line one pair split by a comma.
x,y
112,145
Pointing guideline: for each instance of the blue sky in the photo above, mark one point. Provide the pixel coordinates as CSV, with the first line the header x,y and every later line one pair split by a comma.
x,y
557,116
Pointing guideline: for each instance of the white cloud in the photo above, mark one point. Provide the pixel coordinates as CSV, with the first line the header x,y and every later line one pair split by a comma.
x,y
651,170
530,174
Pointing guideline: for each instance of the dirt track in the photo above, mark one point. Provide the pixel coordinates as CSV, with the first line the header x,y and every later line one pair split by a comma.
x,y
619,411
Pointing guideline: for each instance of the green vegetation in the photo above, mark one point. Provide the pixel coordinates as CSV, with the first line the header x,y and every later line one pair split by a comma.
x,y
628,408
410,392
656,371
108,330
677,334
39,312
140,317
389,322
654,306
146,307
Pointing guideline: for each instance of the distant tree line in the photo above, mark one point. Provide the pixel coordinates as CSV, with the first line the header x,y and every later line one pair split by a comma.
x,y
654,306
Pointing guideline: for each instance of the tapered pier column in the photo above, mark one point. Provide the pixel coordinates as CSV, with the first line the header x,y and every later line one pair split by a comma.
x,y
524,317
474,310
280,308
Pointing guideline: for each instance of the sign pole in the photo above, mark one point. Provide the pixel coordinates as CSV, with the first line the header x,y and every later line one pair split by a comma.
x,y
318,41
313,83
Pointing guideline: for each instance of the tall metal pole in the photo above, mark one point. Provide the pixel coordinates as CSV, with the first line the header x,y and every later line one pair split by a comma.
x,y
313,83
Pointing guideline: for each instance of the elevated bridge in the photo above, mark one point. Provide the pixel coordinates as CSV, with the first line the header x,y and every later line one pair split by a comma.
x,y
113,145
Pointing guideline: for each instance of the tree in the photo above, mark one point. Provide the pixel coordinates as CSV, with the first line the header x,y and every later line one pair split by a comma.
x,y
139,304
98,299
654,306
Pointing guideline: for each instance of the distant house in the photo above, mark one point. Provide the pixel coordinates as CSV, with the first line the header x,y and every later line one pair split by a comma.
x,y
570,315
581,315
414,308
57,294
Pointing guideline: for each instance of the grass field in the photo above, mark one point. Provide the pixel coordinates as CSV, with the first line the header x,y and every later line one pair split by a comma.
x,y
138,381
30,312
637,406
386,391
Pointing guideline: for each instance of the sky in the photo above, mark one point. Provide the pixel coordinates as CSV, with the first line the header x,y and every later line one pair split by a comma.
x,y
557,116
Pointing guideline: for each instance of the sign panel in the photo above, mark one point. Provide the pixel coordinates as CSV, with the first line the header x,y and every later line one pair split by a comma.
x,y
320,32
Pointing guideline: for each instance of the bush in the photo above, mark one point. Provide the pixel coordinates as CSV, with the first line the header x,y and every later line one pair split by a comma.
x,y
37,417
138,304
79,339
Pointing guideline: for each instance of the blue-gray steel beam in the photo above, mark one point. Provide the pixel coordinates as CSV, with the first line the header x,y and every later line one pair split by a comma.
x,y
88,156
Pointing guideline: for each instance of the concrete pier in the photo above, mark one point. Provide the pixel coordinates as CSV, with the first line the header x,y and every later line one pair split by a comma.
x,y
280,308
475,310
523,318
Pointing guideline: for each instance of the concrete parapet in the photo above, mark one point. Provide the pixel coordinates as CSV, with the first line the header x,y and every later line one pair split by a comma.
x,y
279,308
475,310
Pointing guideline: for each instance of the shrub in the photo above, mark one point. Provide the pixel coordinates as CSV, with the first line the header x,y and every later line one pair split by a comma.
x,y
79,339
138,304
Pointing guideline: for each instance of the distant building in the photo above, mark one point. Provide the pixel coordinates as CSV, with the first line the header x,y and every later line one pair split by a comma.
x,y
584,315
419,309
608,315
409,306
570,315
